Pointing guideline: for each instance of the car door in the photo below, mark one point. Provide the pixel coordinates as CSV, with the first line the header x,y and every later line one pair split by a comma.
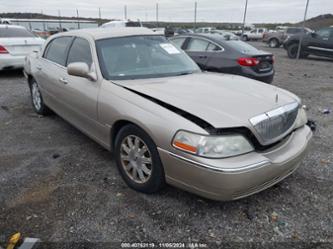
x,y
196,48
80,94
320,42
260,33
50,69
218,60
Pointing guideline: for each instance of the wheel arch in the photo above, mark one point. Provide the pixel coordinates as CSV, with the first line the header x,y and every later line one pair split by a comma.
x,y
30,79
118,125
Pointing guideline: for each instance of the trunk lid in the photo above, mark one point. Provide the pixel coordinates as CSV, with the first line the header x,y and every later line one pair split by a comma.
x,y
21,46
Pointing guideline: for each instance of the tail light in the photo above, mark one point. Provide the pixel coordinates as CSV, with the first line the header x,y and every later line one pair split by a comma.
x,y
248,62
273,59
3,50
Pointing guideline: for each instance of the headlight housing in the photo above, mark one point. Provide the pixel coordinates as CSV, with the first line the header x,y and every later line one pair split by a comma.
x,y
220,146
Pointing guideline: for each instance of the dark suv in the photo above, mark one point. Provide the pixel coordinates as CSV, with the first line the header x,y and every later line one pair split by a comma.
x,y
317,43
275,39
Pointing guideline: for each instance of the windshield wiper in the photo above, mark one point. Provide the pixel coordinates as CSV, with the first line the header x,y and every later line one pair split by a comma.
x,y
185,73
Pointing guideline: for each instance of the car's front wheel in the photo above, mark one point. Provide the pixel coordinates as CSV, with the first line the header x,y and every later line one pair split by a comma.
x,y
292,51
138,160
37,99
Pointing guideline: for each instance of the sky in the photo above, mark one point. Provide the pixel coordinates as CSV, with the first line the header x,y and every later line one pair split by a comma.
x,y
259,11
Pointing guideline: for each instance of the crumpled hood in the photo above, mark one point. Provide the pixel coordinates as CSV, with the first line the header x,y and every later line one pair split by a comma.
x,y
220,99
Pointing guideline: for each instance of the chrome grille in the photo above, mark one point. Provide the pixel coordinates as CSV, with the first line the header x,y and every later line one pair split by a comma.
x,y
274,124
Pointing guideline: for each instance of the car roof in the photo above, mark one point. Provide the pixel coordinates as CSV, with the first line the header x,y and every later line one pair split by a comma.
x,y
102,33
11,26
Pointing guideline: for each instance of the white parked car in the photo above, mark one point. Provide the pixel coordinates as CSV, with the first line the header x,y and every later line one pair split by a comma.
x,y
5,21
121,24
16,42
254,34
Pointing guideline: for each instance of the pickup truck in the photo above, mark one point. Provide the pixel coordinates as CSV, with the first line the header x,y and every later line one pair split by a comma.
x,y
318,43
254,34
275,39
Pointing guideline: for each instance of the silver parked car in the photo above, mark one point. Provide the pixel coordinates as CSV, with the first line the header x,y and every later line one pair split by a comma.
x,y
221,136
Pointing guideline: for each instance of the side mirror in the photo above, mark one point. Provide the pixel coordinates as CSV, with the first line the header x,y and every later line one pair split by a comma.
x,y
81,69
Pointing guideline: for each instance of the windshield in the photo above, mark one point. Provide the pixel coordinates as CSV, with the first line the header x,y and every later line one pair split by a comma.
x,y
142,57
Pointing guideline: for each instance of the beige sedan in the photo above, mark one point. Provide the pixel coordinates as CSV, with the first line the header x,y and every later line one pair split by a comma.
x,y
221,136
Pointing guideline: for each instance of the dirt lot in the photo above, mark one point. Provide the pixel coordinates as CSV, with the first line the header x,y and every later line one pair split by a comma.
x,y
58,185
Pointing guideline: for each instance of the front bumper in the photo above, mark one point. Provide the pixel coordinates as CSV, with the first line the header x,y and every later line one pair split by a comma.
x,y
8,61
236,177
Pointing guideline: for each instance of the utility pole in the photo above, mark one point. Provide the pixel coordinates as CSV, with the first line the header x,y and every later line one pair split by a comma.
x,y
60,26
125,12
44,27
78,21
244,18
303,26
195,15
100,17
156,14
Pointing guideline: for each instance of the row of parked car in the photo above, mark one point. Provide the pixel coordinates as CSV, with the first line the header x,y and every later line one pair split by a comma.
x,y
219,52
213,50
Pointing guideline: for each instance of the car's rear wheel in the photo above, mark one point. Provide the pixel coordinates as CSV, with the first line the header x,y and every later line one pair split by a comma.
x,y
292,51
37,99
138,160
245,38
274,43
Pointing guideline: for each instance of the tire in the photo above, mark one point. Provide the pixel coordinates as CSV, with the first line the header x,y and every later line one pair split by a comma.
x,y
292,50
274,43
132,145
37,99
245,38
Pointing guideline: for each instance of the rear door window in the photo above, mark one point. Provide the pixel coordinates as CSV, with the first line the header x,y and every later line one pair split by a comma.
x,y
10,32
57,50
80,52
212,47
292,30
197,45
178,41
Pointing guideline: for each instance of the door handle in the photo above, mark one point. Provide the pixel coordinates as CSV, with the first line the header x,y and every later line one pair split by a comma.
x,y
203,56
39,67
63,80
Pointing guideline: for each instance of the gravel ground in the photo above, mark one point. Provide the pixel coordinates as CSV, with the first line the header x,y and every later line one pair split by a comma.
x,y
60,186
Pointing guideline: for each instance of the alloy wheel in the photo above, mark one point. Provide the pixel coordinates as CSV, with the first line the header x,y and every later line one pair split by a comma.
x,y
36,96
136,159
